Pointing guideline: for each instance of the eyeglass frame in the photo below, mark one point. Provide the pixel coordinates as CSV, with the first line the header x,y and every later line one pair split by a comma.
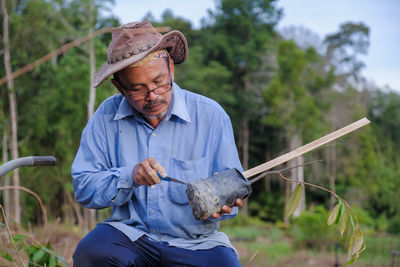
x,y
146,93
116,79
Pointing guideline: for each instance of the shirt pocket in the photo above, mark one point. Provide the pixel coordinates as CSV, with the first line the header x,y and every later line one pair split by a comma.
x,y
186,171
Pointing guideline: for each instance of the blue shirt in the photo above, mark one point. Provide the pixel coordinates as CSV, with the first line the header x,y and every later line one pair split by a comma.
x,y
194,140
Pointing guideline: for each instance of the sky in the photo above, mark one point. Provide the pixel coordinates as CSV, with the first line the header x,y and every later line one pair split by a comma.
x,y
321,17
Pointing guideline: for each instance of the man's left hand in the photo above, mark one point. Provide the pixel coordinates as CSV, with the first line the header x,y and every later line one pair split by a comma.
x,y
228,209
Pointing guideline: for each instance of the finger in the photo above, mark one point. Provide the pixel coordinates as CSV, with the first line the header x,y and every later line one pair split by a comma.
x,y
144,177
151,175
226,209
137,175
216,215
239,202
142,173
158,168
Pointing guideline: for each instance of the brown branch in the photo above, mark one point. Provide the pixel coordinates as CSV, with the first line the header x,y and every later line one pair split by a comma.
x,y
255,179
11,237
252,258
52,230
32,193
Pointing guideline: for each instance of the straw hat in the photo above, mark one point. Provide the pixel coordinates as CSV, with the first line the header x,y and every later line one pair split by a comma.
x,y
134,41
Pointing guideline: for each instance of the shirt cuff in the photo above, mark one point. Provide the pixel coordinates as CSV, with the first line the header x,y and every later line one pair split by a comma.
x,y
125,186
125,180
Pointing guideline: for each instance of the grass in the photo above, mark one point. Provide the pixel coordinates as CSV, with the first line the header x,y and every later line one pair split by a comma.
x,y
258,244
262,244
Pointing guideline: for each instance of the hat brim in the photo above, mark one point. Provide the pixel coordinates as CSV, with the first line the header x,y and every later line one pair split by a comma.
x,y
174,42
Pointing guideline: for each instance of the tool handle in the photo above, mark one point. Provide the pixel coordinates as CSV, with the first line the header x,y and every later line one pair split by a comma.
x,y
166,178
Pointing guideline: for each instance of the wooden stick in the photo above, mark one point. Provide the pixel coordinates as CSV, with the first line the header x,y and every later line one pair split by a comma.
x,y
306,148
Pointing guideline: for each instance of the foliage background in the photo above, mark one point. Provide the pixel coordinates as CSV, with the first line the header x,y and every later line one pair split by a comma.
x,y
274,90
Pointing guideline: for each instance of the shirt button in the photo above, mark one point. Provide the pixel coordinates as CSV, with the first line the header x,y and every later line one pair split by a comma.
x,y
127,183
154,230
152,211
153,186
154,134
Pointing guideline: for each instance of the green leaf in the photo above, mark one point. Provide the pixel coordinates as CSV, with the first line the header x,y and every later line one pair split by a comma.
x,y
333,215
343,221
52,261
351,220
294,200
351,261
340,212
38,255
356,245
6,256
19,237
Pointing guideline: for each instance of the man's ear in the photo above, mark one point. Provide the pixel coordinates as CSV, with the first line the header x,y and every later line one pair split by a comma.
x,y
172,68
117,85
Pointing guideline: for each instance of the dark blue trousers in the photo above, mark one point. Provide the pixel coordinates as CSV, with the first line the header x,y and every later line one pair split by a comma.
x,y
107,246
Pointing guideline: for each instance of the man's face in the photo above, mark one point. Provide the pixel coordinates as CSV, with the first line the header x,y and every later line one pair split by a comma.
x,y
150,75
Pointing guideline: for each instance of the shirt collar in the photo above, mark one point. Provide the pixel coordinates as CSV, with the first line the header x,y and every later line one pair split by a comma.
x,y
177,107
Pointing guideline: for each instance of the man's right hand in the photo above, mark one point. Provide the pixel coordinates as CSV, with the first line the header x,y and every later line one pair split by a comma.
x,y
145,173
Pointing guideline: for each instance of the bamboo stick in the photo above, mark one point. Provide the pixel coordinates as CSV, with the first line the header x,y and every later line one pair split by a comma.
x,y
306,148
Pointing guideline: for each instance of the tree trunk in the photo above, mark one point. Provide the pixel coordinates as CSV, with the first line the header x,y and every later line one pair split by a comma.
x,y
92,93
332,172
334,119
297,173
6,196
244,148
267,180
13,110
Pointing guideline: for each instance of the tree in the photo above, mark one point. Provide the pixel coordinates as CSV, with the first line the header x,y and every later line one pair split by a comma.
x,y
51,96
236,36
13,109
291,99
343,47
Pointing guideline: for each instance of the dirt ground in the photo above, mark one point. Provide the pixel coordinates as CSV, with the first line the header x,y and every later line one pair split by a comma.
x,y
64,239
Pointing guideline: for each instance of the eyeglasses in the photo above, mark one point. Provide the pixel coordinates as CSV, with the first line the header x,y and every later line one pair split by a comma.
x,y
142,94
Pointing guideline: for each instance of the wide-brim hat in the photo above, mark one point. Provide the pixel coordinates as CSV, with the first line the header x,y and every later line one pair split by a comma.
x,y
134,41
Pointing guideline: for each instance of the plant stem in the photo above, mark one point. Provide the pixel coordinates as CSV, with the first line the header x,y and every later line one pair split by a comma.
x,y
33,194
319,187
11,238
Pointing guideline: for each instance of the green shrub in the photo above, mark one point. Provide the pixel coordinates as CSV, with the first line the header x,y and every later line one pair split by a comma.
x,y
273,251
311,230
246,233
267,206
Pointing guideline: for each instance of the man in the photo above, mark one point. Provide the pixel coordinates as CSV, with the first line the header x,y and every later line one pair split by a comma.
x,y
153,127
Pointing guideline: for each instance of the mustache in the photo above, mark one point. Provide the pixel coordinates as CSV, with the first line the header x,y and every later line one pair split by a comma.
x,y
150,104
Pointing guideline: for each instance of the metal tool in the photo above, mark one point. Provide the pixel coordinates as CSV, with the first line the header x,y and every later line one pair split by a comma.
x,y
170,179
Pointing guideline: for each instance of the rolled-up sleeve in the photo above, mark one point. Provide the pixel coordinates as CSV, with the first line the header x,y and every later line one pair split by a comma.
x,y
97,183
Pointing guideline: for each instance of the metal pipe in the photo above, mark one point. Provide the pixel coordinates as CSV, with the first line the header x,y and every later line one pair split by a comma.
x,y
27,161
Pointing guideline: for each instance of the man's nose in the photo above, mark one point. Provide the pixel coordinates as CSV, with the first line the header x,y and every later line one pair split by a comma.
x,y
151,95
